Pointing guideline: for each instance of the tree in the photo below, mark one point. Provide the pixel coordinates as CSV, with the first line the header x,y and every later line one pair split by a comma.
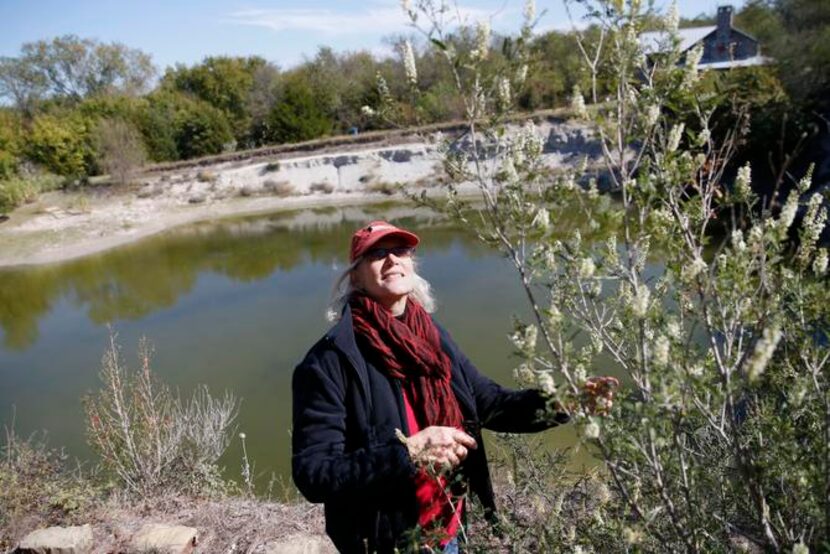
x,y
175,126
297,116
73,68
226,83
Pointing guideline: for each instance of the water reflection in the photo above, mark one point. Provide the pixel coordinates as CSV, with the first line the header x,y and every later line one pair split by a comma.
x,y
232,304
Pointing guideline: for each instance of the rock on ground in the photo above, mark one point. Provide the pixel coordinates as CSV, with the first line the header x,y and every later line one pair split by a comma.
x,y
58,540
301,545
164,539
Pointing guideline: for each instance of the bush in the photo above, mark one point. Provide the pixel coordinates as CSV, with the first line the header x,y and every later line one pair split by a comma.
x,y
175,126
37,486
17,190
152,441
297,116
61,144
119,149
719,438
279,188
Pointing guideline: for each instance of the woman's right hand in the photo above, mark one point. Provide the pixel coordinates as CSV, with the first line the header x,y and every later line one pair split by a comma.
x,y
439,447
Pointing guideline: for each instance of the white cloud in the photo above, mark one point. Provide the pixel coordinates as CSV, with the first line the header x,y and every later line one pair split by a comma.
x,y
376,20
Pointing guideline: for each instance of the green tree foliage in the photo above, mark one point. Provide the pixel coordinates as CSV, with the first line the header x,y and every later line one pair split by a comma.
x,y
226,83
11,138
61,144
175,126
73,68
298,115
803,50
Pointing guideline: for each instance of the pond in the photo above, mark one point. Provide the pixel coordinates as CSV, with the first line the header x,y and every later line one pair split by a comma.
x,y
232,304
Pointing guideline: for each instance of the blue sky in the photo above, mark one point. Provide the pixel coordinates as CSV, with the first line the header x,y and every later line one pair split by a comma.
x,y
281,31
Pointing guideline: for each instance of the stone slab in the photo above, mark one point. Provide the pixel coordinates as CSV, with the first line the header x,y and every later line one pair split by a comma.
x,y
164,539
58,540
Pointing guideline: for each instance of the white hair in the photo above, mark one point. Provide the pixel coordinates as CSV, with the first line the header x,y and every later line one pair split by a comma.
x,y
343,289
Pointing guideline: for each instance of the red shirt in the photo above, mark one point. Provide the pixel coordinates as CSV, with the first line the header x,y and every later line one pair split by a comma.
x,y
437,507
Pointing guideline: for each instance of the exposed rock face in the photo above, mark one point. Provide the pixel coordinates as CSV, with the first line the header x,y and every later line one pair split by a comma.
x,y
58,540
164,539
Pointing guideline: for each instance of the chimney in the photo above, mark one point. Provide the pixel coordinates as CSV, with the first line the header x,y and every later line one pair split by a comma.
x,y
724,20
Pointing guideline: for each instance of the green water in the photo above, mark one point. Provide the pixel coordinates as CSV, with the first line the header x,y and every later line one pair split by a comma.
x,y
232,304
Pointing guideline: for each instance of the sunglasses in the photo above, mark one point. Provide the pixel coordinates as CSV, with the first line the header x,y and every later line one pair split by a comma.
x,y
375,254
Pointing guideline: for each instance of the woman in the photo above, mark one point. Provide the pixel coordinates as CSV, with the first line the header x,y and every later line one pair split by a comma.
x,y
387,410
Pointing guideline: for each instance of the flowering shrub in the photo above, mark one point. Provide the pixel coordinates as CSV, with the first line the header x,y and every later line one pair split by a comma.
x,y
721,436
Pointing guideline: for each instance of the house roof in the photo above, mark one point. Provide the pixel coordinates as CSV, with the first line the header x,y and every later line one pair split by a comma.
x,y
658,41
746,62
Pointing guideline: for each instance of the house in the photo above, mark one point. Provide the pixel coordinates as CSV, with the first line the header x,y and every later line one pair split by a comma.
x,y
724,46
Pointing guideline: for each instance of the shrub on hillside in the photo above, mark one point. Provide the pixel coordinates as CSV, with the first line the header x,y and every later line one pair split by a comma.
x,y
38,488
151,440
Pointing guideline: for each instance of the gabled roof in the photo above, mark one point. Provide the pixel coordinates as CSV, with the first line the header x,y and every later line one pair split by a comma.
x,y
658,41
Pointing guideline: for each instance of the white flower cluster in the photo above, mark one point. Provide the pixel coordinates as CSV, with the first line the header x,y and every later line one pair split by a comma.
x,y
504,91
652,115
763,351
525,339
672,18
813,224
542,219
673,141
640,300
578,103
787,215
660,353
525,375
367,111
409,63
738,240
743,181
801,548
820,262
545,381
509,172
695,268
529,11
482,41
591,430
521,74
383,88
528,145
586,268
692,61
554,315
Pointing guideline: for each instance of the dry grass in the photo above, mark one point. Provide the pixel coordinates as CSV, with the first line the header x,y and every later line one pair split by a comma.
x,y
279,188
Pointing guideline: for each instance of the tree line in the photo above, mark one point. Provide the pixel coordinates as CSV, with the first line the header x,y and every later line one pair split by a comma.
x,y
76,107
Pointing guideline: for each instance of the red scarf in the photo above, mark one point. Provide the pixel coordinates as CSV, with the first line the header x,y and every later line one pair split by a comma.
x,y
409,349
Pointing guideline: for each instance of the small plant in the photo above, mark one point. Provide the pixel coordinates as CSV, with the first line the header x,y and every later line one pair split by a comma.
x,y
17,190
278,188
325,187
383,187
36,484
271,167
207,177
148,438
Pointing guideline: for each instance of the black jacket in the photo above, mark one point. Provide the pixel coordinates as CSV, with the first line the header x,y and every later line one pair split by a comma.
x,y
346,454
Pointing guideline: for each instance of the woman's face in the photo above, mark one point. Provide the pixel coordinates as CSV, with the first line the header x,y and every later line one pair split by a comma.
x,y
389,279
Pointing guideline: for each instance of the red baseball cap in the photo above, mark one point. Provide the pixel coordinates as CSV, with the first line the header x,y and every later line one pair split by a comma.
x,y
364,238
